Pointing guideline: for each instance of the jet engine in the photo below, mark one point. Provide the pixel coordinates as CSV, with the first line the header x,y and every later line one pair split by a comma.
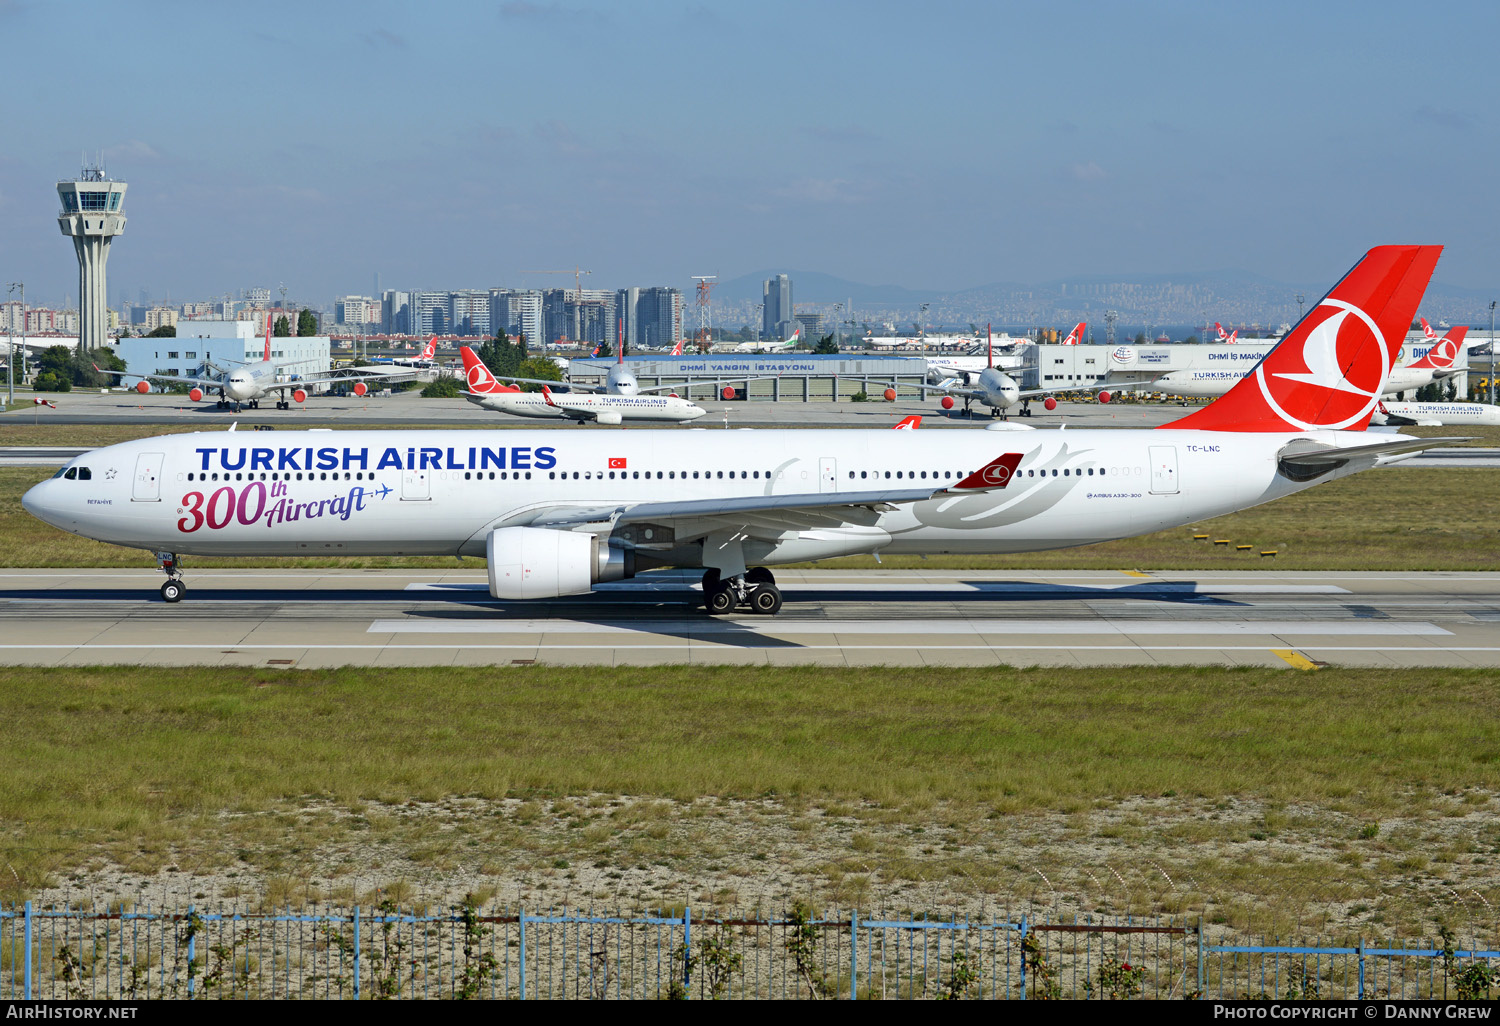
x,y
536,563
359,388
299,395
142,387
607,417
195,394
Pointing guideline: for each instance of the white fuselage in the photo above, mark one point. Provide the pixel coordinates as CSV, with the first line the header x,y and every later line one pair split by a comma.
x,y
585,406
1477,414
442,492
247,383
1210,384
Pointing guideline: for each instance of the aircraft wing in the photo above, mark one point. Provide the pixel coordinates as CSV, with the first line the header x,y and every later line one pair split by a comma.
x,y
321,379
949,387
768,515
199,382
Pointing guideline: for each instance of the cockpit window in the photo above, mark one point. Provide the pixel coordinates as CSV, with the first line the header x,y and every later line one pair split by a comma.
x,y
72,473
84,474
60,472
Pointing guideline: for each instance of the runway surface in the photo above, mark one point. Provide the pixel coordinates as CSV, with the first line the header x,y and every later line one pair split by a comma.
x,y
310,618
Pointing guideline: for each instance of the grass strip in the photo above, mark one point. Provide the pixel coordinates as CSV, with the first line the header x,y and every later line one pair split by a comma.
x,y
124,755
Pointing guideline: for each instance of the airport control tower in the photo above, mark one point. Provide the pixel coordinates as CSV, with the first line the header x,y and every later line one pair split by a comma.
x,y
93,214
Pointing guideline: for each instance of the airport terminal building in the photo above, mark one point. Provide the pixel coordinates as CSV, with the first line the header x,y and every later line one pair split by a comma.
x,y
1080,367
807,377
773,377
224,343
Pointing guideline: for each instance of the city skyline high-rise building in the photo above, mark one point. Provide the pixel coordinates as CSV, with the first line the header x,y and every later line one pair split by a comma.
x,y
777,320
92,215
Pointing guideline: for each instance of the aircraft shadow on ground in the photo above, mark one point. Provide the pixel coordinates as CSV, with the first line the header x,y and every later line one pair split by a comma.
x,y
669,610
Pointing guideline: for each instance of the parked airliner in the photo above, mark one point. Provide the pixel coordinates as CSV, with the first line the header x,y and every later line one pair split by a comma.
x,y
1436,414
486,390
556,513
990,386
1435,365
249,383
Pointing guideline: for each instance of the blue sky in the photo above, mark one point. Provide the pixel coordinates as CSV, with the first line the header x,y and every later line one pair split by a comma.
x,y
940,145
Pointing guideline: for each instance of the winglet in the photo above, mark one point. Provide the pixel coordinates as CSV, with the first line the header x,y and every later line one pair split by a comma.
x,y
268,336
993,475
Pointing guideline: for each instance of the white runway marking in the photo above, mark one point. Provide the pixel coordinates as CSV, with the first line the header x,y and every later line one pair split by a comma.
x,y
706,626
968,587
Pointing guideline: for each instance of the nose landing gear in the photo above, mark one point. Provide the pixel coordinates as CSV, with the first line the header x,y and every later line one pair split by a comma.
x,y
755,588
174,588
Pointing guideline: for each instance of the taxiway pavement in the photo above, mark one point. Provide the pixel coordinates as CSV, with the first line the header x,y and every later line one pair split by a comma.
x,y
313,618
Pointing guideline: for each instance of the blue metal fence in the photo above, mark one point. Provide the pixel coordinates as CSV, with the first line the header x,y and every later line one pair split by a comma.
x,y
362,953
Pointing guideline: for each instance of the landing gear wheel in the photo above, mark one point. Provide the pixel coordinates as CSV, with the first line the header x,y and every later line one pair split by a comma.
x,y
759,575
766,600
719,601
172,591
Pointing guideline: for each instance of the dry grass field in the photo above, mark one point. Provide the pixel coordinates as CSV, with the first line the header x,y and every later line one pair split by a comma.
x,y
1336,801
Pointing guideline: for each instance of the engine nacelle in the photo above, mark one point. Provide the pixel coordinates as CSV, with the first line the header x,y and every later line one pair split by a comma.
x,y
359,388
728,392
536,563
143,387
1104,397
947,402
608,417
890,395
195,394
299,395
1049,404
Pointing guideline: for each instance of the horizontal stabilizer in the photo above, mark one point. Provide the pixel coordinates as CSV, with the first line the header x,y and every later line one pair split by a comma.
x,y
1305,452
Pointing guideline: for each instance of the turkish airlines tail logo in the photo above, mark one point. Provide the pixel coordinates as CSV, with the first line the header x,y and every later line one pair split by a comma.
x,y
429,349
1075,337
1226,339
677,349
1328,373
479,378
1428,332
910,423
1444,350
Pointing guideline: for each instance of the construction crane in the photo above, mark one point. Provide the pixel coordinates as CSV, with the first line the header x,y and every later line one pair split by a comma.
x,y
576,272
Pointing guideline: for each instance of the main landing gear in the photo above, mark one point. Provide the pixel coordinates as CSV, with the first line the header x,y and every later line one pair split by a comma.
x,y
755,588
174,588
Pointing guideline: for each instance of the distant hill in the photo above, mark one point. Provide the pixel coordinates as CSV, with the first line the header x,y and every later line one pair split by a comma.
x,y
1232,296
815,287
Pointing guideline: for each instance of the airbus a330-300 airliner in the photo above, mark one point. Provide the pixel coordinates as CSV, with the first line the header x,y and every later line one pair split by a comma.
x,y
555,513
